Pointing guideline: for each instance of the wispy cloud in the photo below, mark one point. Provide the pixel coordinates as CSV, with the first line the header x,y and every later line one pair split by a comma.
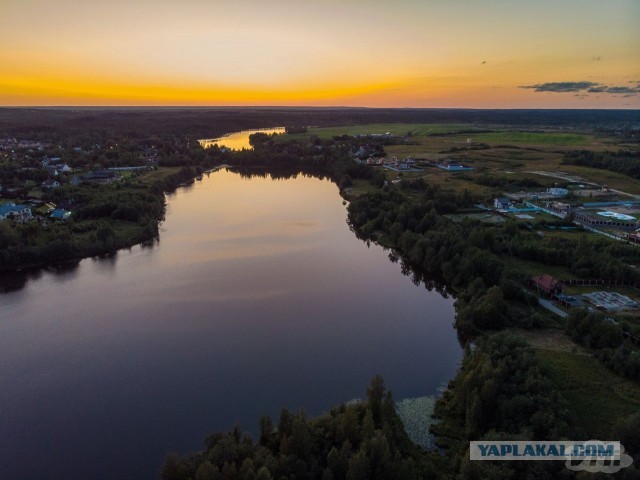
x,y
630,90
584,87
561,86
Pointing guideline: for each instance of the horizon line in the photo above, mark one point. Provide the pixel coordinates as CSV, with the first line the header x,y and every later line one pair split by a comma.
x,y
292,107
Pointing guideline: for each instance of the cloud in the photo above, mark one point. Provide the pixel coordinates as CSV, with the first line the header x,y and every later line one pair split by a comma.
x,y
630,90
584,87
561,86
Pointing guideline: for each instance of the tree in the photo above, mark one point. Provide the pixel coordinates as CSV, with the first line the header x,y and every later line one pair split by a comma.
x,y
206,471
375,396
266,429
358,467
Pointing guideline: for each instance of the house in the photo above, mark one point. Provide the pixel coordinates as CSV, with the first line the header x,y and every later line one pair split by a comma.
x,y
50,184
453,166
546,283
502,203
607,220
60,214
15,212
558,192
65,168
559,207
45,208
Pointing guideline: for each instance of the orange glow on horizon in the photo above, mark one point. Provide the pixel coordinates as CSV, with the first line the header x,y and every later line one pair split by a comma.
x,y
350,53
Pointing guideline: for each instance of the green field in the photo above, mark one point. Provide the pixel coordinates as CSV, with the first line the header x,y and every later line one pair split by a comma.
x,y
599,397
533,138
530,151
158,174
393,128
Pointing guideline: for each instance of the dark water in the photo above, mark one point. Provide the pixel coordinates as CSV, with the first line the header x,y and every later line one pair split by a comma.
x,y
257,297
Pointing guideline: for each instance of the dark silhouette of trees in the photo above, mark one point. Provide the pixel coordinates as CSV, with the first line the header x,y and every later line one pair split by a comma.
x,y
359,441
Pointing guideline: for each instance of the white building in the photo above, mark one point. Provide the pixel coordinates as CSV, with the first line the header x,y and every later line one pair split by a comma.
x,y
558,192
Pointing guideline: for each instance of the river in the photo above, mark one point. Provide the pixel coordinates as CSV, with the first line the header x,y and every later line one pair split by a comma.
x,y
257,296
238,140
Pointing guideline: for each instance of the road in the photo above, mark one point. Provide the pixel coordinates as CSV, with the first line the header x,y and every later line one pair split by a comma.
x,y
552,308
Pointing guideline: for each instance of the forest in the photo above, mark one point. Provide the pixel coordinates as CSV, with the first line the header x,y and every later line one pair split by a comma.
x,y
622,161
89,124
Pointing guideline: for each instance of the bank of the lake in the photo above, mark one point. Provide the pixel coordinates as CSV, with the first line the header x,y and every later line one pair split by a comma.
x,y
116,215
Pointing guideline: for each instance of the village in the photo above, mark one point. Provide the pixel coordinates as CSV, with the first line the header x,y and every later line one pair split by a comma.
x,y
569,206
34,171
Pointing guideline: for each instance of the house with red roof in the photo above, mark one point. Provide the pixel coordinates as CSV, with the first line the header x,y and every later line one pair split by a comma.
x,y
546,283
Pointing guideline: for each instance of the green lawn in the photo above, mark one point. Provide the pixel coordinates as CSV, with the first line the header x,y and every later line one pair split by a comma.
x,y
359,187
599,397
158,174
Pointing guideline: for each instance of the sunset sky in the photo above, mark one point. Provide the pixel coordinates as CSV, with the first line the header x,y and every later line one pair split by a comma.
x,y
378,53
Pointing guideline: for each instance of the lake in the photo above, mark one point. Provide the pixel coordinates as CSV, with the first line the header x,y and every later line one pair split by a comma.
x,y
238,140
257,296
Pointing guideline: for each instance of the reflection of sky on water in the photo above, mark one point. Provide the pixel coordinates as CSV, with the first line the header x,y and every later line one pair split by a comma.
x,y
238,140
257,296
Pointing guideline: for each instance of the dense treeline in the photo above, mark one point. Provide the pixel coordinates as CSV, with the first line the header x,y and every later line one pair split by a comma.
x,y
318,157
605,337
502,392
464,251
505,183
87,125
471,256
622,161
362,441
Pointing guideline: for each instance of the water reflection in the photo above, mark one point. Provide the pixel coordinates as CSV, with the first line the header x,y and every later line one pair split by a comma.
x,y
257,297
238,140
14,281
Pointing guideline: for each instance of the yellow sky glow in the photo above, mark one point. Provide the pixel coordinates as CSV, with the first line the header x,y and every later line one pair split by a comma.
x,y
353,53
